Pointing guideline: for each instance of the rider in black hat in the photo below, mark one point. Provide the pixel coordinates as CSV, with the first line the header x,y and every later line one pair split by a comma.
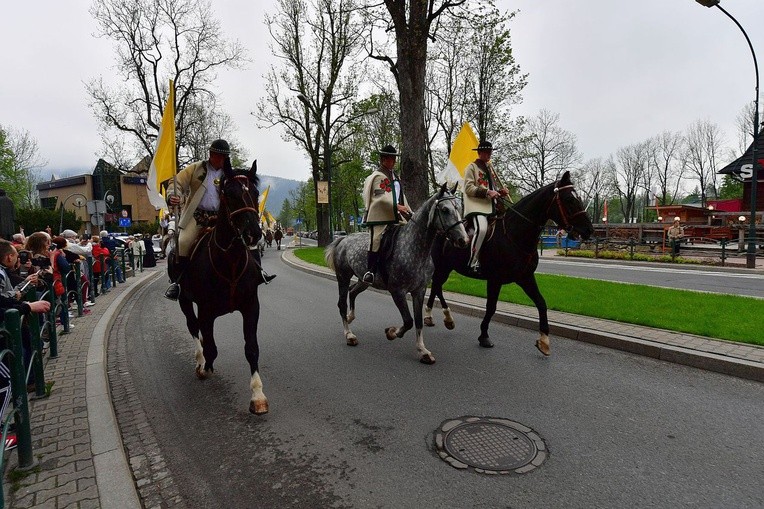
x,y
385,204
480,191
196,189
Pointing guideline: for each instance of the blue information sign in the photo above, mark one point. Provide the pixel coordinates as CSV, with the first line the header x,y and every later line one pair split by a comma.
x,y
125,222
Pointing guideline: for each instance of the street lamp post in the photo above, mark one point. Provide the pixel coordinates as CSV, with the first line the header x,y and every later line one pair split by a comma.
x,y
77,203
751,252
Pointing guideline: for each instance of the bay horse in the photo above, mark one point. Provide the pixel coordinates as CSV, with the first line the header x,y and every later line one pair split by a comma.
x,y
408,265
269,237
509,253
223,274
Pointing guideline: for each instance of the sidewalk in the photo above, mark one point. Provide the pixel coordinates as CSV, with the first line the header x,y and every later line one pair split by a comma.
x,y
736,359
80,458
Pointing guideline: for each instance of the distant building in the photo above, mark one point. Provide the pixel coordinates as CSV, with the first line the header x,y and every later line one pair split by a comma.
x,y
121,190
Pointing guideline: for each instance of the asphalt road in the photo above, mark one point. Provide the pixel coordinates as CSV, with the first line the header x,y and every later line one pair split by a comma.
x,y
353,426
700,279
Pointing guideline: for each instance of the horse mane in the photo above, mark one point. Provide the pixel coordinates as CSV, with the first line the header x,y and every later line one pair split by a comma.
x,y
523,203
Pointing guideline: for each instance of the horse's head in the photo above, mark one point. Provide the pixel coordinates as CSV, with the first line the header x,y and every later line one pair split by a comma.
x,y
239,202
567,210
446,217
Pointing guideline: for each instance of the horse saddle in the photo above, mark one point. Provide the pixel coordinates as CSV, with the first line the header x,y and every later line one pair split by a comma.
x,y
386,249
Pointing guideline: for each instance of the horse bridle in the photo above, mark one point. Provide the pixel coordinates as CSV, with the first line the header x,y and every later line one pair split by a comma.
x,y
442,229
566,219
242,180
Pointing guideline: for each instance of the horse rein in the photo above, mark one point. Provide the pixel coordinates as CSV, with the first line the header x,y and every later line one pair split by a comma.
x,y
565,219
555,200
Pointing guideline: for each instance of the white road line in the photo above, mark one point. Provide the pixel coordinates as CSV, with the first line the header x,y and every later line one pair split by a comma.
x,y
666,270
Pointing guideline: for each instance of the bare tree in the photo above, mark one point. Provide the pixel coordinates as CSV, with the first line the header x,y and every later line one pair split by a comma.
x,y
703,147
664,160
474,77
593,183
311,96
744,124
159,40
627,173
414,24
543,152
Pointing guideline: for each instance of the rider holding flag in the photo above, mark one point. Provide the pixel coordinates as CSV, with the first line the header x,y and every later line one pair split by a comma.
x,y
480,191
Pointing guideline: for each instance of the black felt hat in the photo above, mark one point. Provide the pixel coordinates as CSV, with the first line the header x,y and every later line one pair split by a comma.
x,y
220,147
388,150
484,145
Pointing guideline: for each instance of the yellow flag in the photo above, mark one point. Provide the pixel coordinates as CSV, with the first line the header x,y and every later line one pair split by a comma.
x,y
263,199
164,164
462,154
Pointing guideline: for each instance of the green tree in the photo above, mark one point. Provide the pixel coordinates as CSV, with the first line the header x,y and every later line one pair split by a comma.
x,y
38,219
11,179
286,216
731,188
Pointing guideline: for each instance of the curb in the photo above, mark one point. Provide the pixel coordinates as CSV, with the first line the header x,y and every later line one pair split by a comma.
x,y
114,478
708,361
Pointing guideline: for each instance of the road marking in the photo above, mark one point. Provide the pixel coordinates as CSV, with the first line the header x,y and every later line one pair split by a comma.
x,y
667,270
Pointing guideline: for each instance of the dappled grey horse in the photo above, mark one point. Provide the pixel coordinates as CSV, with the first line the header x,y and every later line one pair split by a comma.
x,y
408,267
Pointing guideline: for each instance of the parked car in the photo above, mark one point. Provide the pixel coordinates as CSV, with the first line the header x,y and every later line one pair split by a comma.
x,y
340,233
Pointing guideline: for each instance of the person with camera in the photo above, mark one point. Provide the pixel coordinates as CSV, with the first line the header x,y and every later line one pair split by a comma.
x,y
10,298
9,267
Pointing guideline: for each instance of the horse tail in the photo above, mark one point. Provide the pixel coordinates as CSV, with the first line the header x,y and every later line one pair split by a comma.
x,y
329,256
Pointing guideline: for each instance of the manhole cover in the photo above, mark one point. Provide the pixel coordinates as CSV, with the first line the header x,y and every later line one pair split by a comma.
x,y
490,445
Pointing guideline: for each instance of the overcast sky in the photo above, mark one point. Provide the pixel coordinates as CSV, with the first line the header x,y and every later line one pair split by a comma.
x,y
616,71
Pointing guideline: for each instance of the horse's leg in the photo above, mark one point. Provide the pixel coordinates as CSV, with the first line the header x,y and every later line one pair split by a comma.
x,y
258,405
209,350
355,291
492,289
436,290
531,289
399,297
192,323
417,302
343,283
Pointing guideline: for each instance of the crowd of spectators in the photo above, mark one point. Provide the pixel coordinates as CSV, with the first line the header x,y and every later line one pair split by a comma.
x,y
49,263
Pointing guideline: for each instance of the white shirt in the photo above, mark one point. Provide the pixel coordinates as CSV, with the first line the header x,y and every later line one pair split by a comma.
x,y
211,198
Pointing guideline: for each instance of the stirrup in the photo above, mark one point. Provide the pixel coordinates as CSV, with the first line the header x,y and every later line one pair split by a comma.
x,y
368,278
172,292
267,278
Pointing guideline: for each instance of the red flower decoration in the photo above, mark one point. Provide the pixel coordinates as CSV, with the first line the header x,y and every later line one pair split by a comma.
x,y
481,179
385,184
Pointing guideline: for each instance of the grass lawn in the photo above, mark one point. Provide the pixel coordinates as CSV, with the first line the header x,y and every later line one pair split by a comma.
x,y
728,317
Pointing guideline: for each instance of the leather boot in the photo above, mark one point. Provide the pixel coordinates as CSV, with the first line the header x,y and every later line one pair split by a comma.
x,y
173,291
371,264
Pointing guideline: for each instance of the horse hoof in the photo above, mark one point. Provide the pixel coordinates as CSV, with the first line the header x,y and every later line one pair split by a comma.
x,y
258,407
485,342
391,333
449,325
427,359
428,322
352,341
200,374
543,347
